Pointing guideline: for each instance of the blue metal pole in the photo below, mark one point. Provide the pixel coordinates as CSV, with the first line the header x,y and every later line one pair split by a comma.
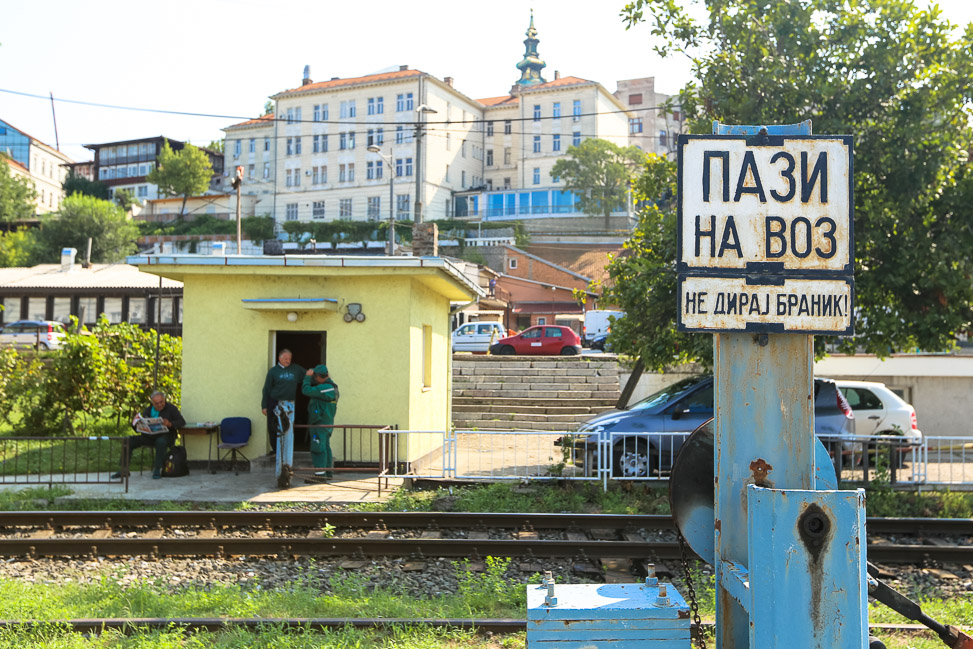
x,y
763,436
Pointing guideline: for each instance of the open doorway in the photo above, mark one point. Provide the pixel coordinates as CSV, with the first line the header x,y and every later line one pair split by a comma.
x,y
308,349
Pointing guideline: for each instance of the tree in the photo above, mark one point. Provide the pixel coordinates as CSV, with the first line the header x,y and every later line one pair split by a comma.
x,y
885,72
17,195
269,108
112,233
258,228
185,173
599,172
216,145
76,184
19,248
125,199
642,280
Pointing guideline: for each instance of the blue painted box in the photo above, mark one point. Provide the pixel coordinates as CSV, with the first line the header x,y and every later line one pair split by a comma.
x,y
594,616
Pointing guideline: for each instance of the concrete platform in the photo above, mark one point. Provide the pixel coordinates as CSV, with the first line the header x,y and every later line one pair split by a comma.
x,y
257,485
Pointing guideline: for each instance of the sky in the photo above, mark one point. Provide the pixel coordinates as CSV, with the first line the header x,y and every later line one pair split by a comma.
x,y
226,57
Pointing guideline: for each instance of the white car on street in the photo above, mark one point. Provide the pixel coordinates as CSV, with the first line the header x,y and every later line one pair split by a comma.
x,y
477,336
879,411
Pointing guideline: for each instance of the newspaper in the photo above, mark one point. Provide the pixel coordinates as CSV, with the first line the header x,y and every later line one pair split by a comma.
x,y
150,425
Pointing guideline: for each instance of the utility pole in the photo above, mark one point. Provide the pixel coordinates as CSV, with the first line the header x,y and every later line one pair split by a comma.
x,y
57,141
237,185
420,113
391,210
388,163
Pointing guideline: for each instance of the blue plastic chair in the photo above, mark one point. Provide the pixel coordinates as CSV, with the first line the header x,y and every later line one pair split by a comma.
x,y
234,435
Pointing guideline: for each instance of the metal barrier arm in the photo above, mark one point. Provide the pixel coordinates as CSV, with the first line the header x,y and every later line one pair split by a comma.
x,y
951,635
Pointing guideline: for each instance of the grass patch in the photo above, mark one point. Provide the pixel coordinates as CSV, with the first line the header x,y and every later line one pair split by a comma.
x,y
269,637
488,594
38,455
927,504
548,497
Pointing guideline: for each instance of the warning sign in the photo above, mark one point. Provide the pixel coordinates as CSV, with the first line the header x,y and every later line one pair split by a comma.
x,y
766,237
808,306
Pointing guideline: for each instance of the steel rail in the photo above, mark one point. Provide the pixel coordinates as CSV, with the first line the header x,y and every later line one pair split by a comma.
x,y
479,625
412,547
53,519
340,547
337,519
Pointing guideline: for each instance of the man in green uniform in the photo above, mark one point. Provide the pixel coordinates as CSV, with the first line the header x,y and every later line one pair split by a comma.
x,y
323,395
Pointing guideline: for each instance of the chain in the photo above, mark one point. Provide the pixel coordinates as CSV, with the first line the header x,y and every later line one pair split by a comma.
x,y
691,591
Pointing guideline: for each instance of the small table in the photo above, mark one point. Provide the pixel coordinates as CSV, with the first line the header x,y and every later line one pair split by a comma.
x,y
202,428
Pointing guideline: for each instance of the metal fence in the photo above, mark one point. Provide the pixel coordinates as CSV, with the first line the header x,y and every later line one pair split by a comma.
x,y
63,460
521,455
946,461
648,457
356,448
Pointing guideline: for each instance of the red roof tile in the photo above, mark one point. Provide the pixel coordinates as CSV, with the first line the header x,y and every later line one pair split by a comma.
x,y
338,83
499,101
513,100
557,83
14,163
268,118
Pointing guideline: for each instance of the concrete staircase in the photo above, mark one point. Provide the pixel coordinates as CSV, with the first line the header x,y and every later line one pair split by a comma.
x,y
531,392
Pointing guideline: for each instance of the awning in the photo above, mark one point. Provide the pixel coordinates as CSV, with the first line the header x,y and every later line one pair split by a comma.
x,y
292,304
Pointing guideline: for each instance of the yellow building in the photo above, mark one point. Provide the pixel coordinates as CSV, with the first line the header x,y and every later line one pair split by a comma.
x,y
391,363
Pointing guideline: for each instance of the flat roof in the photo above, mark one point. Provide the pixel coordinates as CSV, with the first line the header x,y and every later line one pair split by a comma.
x,y
97,276
180,265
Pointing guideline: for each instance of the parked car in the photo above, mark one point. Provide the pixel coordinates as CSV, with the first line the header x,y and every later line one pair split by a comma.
x,y
597,322
540,339
601,344
879,411
44,334
681,408
477,336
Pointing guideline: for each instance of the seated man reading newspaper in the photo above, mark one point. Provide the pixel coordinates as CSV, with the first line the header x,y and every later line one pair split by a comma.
x,y
157,426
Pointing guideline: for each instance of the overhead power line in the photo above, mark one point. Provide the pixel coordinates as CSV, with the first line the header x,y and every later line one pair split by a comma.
x,y
285,120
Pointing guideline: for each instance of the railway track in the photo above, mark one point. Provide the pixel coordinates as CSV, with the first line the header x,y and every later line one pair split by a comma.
x,y
411,534
214,624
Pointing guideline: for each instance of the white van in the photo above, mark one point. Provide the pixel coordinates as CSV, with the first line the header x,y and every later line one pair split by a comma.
x,y
477,336
597,323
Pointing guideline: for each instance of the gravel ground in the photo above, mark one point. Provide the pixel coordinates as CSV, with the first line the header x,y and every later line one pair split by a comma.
x,y
439,576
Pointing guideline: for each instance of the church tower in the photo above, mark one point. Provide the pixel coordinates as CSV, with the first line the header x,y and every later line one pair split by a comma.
x,y
531,65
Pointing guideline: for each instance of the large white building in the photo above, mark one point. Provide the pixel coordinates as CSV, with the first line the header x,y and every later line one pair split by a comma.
x,y
43,165
448,155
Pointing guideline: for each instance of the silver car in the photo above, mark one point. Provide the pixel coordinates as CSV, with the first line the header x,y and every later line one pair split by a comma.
x,y
477,336
40,334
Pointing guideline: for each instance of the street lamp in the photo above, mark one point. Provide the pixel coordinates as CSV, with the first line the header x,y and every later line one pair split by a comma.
x,y
421,110
388,161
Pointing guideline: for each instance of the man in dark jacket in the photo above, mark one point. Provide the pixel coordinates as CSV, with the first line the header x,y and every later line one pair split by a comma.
x,y
171,419
277,402
322,394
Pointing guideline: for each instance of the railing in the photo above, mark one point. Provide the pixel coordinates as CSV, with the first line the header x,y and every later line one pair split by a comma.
x,y
521,455
415,454
864,459
63,460
356,448
648,457
946,461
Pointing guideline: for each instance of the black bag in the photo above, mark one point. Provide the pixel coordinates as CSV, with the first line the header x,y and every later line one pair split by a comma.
x,y
176,464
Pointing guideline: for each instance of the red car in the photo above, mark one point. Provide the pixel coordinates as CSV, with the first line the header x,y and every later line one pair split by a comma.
x,y
542,339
